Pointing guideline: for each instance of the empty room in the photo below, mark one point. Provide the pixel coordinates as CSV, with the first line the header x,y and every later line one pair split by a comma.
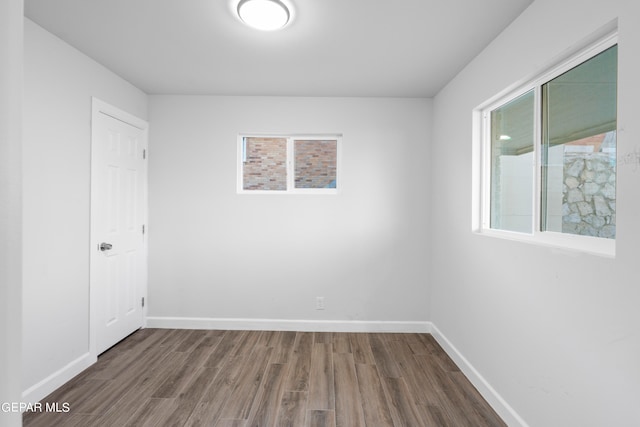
x,y
353,213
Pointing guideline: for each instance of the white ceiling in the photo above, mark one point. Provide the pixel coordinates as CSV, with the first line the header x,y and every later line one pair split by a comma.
x,y
400,48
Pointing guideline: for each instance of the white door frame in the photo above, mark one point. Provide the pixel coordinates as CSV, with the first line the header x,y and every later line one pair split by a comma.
x,y
100,107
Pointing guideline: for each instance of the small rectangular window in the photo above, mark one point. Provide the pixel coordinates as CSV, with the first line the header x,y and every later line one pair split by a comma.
x,y
271,164
548,170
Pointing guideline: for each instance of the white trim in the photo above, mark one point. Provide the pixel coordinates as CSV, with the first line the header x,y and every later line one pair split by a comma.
x,y
100,107
572,243
506,412
42,389
39,391
291,138
481,155
288,325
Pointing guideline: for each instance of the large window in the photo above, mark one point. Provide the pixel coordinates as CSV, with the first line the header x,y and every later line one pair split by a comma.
x,y
272,164
549,156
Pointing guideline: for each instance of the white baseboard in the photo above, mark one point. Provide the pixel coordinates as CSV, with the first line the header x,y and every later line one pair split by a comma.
x,y
506,412
287,325
39,391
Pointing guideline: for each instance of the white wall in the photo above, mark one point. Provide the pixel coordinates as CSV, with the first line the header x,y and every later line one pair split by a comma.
x,y
59,83
216,255
557,334
11,43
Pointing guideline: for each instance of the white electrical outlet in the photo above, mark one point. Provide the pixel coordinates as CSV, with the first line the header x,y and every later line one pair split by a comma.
x,y
319,303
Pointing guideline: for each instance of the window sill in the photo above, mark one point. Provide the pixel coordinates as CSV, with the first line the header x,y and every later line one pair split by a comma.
x,y
310,191
565,242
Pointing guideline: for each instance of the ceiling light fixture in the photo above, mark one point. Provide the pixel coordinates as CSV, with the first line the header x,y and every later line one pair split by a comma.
x,y
266,15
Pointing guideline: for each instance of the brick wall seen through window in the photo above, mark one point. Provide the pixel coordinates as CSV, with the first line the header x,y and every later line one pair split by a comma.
x,y
288,164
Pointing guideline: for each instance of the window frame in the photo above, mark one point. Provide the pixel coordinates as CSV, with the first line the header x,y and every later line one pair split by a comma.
x,y
290,163
481,223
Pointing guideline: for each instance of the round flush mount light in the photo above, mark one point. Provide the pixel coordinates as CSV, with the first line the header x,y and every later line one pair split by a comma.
x,y
266,15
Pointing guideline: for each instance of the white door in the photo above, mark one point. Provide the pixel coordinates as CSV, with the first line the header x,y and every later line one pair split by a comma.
x,y
118,235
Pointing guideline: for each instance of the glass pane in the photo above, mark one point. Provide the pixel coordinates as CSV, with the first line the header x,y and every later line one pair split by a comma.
x,y
264,164
579,149
315,163
512,133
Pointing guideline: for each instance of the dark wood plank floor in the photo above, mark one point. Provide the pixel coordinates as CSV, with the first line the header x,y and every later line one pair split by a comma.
x,y
167,377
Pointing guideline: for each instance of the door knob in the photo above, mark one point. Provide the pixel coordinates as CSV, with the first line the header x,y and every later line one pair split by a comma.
x,y
105,246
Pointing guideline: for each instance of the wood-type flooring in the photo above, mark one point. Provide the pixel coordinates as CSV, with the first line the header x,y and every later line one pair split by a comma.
x,y
169,377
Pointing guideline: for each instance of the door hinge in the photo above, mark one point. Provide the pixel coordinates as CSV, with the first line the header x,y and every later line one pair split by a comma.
x,y
144,154
142,228
142,302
